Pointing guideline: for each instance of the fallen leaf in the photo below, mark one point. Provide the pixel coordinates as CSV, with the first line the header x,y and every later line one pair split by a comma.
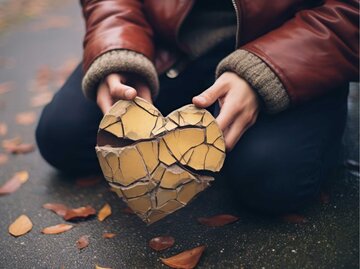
x,y
6,87
218,220
324,197
99,267
127,210
3,158
6,143
294,219
14,182
53,22
88,181
26,118
161,242
3,128
41,99
20,226
82,242
57,229
81,212
59,209
108,235
20,148
104,212
185,260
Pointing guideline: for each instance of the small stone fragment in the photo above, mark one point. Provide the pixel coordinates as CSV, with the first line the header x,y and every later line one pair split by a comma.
x,y
185,260
104,212
20,226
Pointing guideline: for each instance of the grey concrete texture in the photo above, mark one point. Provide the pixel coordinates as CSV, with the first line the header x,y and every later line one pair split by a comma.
x,y
329,238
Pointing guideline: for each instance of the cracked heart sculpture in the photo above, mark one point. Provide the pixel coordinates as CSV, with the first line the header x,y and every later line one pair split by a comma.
x,y
158,164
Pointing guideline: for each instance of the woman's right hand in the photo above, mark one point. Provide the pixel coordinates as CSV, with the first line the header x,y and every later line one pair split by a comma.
x,y
121,87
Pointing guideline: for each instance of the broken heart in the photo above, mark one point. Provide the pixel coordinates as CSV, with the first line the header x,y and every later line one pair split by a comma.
x,y
157,164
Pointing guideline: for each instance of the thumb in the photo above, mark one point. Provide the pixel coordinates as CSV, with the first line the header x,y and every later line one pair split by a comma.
x,y
209,96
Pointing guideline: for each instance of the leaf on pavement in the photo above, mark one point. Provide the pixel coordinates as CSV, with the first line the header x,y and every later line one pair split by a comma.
x,y
20,226
6,87
218,220
185,260
81,212
161,242
3,128
3,158
26,118
82,242
22,148
59,209
104,212
108,235
57,229
14,182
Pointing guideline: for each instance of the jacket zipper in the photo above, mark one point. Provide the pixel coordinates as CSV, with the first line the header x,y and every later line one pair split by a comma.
x,y
237,23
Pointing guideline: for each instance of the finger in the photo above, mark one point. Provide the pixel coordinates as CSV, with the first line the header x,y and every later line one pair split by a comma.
x,y
143,91
236,130
103,98
209,96
118,90
228,112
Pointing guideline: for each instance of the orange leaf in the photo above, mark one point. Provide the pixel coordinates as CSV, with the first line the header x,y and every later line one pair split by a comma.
x,y
6,143
104,212
294,219
81,212
88,181
161,242
14,183
20,226
185,260
59,209
20,148
82,242
26,118
218,221
3,158
3,128
108,235
57,229
6,87
99,267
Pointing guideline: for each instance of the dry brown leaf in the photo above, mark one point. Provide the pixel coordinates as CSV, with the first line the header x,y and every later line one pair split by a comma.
x,y
26,118
294,219
185,260
6,87
57,229
88,181
20,226
161,242
59,209
104,212
14,182
218,220
99,267
41,99
3,128
81,212
82,242
20,148
3,158
6,143
108,235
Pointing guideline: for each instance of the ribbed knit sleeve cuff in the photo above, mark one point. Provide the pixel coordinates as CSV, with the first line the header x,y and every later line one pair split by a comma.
x,y
117,61
262,79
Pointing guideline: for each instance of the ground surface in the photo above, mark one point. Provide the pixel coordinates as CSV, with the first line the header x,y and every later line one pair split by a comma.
x,y
52,41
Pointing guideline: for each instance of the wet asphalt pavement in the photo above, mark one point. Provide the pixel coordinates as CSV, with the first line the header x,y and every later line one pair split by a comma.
x,y
329,238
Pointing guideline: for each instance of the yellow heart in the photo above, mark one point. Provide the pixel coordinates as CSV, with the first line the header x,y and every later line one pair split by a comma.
x,y
156,163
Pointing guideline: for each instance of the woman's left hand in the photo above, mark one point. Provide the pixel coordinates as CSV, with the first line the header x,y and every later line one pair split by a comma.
x,y
239,105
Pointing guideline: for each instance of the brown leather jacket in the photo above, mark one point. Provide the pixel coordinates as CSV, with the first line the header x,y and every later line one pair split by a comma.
x,y
311,46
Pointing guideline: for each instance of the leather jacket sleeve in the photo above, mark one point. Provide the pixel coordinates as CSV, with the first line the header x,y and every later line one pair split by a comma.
x,y
313,53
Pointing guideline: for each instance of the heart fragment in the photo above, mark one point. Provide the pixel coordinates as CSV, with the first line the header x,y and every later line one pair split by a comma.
x,y
155,163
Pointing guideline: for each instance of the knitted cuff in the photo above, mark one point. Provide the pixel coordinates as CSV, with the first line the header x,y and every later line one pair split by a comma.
x,y
262,79
117,61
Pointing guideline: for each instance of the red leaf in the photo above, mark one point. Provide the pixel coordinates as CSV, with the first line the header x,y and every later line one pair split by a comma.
x,y
57,229
14,183
185,260
20,148
59,209
82,242
88,181
108,235
294,219
161,242
218,221
81,212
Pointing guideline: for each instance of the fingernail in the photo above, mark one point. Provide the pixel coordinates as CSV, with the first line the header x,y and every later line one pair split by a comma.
x,y
201,99
129,93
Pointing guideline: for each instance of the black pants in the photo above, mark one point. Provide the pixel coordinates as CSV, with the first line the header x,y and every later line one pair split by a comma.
x,y
277,166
